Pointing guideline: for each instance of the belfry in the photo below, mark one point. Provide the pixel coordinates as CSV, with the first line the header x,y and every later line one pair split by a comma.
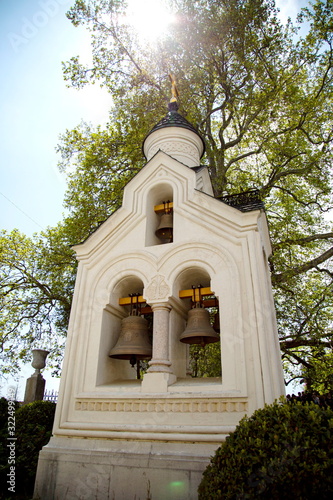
x,y
132,421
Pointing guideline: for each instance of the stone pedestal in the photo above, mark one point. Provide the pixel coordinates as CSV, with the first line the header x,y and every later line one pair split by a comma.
x,y
35,386
121,470
34,389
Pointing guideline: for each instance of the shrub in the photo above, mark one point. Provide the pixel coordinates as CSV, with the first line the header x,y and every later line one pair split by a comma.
x,y
33,427
281,451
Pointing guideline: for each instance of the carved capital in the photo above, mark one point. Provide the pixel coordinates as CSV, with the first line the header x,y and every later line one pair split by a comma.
x,y
157,290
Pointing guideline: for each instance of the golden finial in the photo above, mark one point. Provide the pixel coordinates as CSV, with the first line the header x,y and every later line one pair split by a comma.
x,y
174,90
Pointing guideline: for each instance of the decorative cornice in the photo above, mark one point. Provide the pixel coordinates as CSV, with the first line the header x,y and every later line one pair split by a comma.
x,y
197,405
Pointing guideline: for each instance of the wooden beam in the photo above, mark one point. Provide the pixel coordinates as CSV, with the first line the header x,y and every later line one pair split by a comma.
x,y
193,293
210,303
124,301
146,310
161,207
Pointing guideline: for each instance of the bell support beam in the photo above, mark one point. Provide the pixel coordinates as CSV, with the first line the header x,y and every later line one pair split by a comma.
x,y
183,294
127,301
192,293
163,206
196,294
124,301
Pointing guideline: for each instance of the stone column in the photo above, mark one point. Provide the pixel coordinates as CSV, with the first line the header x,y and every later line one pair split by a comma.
x,y
159,375
160,361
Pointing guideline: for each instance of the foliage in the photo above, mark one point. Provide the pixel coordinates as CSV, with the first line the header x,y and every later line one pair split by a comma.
x,y
33,427
37,279
102,162
319,374
304,310
260,94
282,451
205,361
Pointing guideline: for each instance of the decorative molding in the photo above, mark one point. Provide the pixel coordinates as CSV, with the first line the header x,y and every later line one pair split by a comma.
x,y
157,289
174,147
164,406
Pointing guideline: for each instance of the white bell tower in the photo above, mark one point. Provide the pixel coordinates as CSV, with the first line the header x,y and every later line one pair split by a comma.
x,y
122,434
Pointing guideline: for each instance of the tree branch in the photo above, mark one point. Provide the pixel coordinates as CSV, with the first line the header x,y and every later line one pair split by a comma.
x,y
290,273
302,241
290,344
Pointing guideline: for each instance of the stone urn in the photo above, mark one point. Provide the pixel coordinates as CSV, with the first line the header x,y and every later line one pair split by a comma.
x,y
35,386
39,359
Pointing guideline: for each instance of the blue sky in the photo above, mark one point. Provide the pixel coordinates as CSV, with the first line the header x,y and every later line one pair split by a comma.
x,y
36,107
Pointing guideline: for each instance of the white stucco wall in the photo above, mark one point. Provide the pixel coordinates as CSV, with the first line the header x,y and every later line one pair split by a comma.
x,y
99,397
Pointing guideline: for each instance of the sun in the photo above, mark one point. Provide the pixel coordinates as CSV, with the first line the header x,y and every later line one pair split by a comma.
x,y
149,18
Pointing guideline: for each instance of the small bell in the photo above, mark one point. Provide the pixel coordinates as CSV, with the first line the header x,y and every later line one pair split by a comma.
x,y
133,342
165,228
198,329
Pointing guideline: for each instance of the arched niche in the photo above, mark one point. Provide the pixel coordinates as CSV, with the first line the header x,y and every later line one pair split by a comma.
x,y
183,355
191,276
111,370
128,285
162,192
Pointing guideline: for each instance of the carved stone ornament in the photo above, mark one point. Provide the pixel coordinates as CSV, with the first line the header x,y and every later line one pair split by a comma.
x,y
162,406
174,147
157,289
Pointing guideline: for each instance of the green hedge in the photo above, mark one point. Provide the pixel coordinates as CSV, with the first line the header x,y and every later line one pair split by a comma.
x,y
33,427
284,451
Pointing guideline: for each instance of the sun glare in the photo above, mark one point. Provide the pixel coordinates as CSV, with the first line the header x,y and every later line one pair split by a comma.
x,y
150,18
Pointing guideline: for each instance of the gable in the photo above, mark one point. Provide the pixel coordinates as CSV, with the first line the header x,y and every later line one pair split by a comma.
x,y
196,213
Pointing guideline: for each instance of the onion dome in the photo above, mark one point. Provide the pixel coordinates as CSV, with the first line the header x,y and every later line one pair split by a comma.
x,y
175,136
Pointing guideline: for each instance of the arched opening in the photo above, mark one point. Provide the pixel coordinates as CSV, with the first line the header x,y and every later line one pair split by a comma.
x,y
126,345
200,331
159,211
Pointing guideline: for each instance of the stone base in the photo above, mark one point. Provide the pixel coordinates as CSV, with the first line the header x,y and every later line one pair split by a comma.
x,y
75,468
34,389
159,381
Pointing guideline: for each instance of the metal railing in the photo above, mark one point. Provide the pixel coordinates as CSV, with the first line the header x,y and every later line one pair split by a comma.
x,y
245,202
51,396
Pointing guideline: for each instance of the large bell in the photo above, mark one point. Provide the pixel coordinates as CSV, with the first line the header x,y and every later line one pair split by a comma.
x,y
198,329
133,342
165,228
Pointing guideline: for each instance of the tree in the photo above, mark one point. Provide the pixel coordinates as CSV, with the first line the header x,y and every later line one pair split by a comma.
x,y
318,375
37,279
260,95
